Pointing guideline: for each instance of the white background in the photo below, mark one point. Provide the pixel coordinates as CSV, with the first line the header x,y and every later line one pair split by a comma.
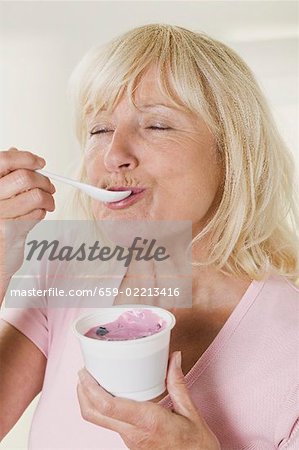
x,y
40,43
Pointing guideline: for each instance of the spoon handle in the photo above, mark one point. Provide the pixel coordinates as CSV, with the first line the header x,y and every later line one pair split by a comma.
x,y
58,177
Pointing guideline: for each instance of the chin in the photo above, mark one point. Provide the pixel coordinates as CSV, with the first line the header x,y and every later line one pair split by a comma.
x,y
120,215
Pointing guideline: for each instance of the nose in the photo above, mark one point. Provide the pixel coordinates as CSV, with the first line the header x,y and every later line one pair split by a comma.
x,y
120,155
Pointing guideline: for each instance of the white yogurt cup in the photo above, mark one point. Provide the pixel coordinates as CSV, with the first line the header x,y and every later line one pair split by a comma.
x,y
135,368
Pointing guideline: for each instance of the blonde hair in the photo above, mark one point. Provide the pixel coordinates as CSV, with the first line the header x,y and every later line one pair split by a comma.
x,y
254,230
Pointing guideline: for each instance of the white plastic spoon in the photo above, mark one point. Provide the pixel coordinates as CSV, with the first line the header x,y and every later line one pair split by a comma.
x,y
94,192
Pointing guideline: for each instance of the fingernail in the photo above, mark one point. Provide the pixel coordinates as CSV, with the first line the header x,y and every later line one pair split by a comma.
x,y
178,359
41,162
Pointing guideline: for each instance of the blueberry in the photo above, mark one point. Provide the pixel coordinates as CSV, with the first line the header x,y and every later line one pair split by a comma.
x,y
101,331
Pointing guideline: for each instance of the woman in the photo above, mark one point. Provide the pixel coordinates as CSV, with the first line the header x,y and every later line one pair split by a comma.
x,y
179,115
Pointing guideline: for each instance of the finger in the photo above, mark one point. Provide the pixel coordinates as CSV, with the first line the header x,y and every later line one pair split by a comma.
x,y
178,390
22,180
13,159
25,203
36,215
91,413
140,414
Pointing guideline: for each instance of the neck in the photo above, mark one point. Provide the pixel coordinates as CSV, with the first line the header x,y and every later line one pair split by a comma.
x,y
212,289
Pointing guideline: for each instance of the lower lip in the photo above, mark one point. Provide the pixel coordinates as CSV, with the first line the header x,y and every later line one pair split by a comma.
x,y
128,201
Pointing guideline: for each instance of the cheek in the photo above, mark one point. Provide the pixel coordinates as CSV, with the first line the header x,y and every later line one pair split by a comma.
x,y
205,182
195,186
206,195
93,167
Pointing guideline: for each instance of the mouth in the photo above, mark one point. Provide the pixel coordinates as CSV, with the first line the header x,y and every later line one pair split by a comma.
x,y
135,196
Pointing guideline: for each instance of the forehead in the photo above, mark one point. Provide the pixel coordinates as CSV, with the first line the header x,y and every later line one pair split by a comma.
x,y
148,87
149,90
148,93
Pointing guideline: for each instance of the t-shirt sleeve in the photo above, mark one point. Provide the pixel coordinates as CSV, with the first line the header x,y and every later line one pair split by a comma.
x,y
32,322
288,427
28,314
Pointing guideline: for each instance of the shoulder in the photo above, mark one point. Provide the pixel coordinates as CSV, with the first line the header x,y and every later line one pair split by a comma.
x,y
283,283
272,315
270,330
276,312
281,294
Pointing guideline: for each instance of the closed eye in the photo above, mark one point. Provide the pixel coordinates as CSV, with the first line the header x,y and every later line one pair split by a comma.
x,y
104,130
158,128
107,130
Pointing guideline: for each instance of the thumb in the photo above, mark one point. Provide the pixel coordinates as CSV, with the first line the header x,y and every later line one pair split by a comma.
x,y
177,388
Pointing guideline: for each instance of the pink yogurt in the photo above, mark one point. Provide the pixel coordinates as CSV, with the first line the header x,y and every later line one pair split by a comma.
x,y
134,324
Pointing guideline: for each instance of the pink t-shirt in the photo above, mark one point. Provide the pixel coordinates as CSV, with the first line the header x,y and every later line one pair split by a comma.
x,y
245,384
